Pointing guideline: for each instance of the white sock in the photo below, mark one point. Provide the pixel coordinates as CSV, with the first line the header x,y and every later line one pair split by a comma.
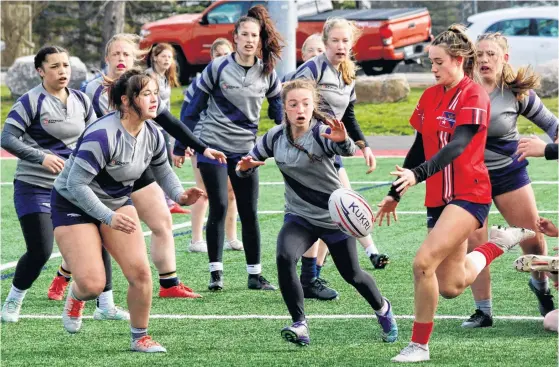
x,y
254,269
371,250
137,333
368,241
478,259
105,301
16,294
216,266
384,309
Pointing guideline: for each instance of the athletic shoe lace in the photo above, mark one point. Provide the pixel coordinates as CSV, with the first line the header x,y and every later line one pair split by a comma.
x,y
76,308
147,342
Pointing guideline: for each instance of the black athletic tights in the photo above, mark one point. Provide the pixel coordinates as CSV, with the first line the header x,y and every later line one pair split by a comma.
x,y
39,238
293,240
246,193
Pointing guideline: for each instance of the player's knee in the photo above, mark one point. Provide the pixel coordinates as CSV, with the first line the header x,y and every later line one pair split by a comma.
x,y
91,287
422,267
449,292
140,276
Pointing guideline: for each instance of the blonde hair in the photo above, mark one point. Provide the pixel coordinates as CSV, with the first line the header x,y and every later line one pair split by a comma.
x,y
348,68
220,42
456,43
520,82
312,37
132,39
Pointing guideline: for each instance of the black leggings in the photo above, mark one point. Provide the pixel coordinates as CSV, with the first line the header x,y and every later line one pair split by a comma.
x,y
39,238
168,146
293,240
246,193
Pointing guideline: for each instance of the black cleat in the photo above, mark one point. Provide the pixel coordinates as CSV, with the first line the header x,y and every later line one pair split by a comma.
x,y
257,281
478,319
545,299
379,260
216,280
319,290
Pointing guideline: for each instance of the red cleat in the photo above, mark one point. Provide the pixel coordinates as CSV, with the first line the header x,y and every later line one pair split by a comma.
x,y
177,209
57,288
178,291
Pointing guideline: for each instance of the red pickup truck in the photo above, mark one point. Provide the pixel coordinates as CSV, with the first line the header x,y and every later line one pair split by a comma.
x,y
389,35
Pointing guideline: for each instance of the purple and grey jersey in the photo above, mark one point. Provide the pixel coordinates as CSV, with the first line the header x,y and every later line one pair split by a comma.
x,y
232,99
48,126
502,134
310,176
113,159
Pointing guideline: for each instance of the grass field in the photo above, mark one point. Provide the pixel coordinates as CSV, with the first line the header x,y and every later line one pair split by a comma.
x,y
374,119
238,327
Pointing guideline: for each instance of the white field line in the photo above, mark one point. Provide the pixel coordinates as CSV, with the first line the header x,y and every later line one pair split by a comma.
x,y
57,254
286,317
263,212
281,183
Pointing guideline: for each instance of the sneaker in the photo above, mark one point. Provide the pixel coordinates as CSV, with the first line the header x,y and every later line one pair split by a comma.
x,y
318,290
234,245
115,313
57,288
177,209
545,299
537,263
379,260
508,237
478,319
389,332
297,333
146,345
413,353
178,291
198,246
11,310
72,315
257,281
216,280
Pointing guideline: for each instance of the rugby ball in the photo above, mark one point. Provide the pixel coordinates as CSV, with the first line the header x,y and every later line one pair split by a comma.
x,y
351,213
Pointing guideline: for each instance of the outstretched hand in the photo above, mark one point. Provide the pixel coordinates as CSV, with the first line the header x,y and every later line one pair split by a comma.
x,y
247,163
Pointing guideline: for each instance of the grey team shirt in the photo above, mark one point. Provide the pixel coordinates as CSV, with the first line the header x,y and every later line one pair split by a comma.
x,y
502,134
334,92
50,127
233,97
115,159
164,88
308,182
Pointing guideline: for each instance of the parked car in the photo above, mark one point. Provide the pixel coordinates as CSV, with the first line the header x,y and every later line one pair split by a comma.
x,y
532,33
389,35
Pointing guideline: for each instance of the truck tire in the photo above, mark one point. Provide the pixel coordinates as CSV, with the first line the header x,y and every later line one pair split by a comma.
x,y
379,67
183,67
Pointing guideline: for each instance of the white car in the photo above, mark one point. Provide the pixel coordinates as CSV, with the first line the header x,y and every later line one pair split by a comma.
x,y
532,33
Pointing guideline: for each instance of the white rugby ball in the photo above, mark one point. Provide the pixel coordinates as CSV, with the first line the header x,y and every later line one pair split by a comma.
x,y
351,212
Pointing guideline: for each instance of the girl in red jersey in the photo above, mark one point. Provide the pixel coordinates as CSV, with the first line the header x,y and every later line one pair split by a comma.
x,y
451,120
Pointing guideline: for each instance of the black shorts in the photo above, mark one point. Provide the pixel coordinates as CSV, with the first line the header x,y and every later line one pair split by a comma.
x,y
146,179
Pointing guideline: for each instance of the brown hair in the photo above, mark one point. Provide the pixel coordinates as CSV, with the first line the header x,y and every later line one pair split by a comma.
x,y
348,68
128,84
317,113
456,43
171,73
271,40
220,42
520,82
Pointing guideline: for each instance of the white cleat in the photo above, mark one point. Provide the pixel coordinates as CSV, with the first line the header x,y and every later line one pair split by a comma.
x,y
11,310
508,237
234,245
198,246
413,353
72,315
115,313
536,263
146,345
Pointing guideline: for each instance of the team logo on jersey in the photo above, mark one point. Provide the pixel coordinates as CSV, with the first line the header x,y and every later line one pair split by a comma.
x,y
114,162
226,86
46,205
47,121
448,119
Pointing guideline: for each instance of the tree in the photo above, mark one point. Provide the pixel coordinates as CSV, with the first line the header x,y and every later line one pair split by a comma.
x,y
113,22
17,20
